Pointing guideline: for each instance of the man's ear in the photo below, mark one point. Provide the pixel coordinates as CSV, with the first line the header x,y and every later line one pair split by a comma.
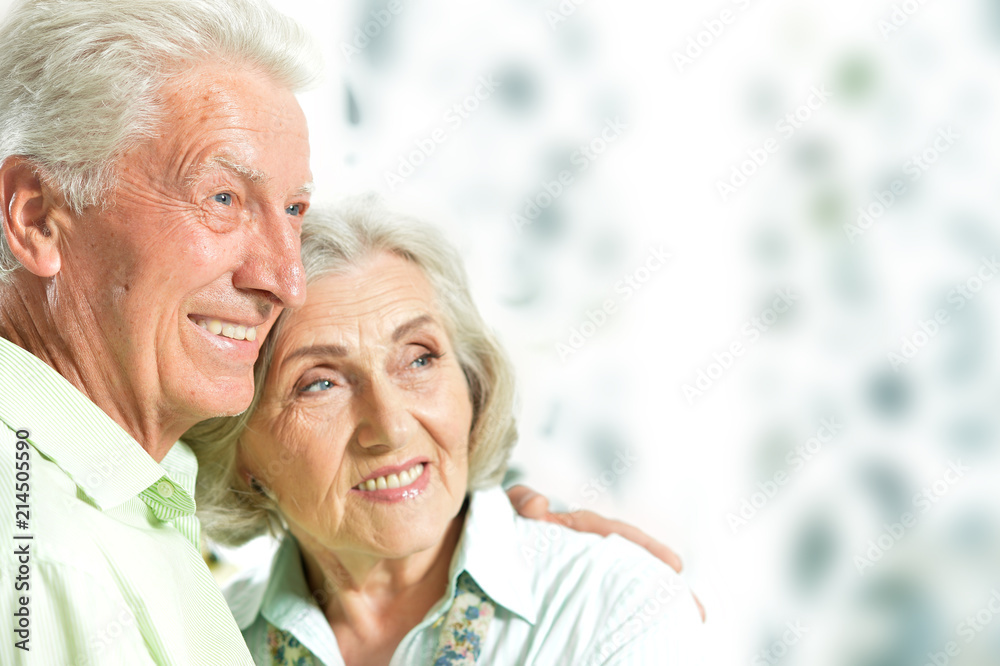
x,y
33,219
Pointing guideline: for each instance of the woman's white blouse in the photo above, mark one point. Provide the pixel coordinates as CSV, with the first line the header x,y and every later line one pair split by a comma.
x,y
561,597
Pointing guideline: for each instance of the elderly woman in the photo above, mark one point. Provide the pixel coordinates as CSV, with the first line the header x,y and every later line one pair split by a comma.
x,y
376,442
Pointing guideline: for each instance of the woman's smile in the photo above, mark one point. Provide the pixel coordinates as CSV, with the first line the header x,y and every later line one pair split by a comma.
x,y
389,486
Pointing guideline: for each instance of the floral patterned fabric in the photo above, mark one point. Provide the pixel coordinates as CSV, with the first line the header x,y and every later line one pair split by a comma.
x,y
286,650
463,629
462,632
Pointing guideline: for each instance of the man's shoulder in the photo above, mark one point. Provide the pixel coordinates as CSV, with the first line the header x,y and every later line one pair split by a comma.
x,y
47,511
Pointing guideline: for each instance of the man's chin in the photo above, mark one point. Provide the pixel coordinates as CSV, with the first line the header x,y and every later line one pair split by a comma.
x,y
216,397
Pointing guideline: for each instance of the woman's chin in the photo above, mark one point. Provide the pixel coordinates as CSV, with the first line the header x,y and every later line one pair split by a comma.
x,y
404,540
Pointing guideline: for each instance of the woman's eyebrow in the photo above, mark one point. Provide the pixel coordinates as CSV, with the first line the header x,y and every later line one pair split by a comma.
x,y
321,351
411,325
339,351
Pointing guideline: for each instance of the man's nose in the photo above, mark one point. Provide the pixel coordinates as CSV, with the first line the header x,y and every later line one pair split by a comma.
x,y
273,263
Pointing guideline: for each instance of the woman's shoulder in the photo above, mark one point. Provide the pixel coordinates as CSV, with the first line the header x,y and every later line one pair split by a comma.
x,y
603,599
245,592
610,568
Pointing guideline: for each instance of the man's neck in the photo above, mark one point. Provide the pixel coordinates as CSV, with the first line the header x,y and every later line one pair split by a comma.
x,y
26,321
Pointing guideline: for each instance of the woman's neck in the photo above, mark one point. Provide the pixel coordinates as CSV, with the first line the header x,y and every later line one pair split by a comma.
x,y
372,603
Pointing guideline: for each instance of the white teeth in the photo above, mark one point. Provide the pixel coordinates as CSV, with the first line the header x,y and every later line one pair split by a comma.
x,y
228,330
400,480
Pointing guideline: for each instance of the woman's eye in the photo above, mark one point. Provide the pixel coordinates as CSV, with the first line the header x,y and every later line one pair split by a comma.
x,y
317,386
296,210
424,360
224,198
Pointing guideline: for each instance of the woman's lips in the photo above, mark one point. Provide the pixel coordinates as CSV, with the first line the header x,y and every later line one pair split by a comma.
x,y
408,483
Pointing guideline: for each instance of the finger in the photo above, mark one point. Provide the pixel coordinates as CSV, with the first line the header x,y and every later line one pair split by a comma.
x,y
528,503
701,609
588,521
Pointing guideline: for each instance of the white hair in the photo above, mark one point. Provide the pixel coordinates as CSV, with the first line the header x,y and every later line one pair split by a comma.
x,y
80,78
231,509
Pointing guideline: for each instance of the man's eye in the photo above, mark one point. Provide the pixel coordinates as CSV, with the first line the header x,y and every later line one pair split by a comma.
x,y
317,386
224,198
296,210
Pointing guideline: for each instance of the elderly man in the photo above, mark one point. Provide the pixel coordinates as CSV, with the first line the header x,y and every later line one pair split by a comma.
x,y
154,169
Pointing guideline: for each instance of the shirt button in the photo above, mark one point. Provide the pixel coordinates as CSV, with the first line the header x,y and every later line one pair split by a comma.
x,y
165,489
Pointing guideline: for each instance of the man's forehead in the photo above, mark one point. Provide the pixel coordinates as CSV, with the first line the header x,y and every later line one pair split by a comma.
x,y
221,118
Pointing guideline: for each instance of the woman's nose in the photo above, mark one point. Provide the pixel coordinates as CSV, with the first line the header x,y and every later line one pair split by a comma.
x,y
385,418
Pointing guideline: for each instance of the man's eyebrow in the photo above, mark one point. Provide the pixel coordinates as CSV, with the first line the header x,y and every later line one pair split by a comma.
x,y
237,168
318,351
255,176
411,325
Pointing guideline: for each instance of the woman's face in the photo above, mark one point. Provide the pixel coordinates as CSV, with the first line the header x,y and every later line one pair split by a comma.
x,y
362,432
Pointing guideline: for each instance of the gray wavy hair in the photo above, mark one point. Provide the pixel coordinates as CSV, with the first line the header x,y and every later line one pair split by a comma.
x,y
81,78
333,242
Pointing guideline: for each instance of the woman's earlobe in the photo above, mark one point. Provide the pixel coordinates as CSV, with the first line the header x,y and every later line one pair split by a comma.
x,y
254,484
31,217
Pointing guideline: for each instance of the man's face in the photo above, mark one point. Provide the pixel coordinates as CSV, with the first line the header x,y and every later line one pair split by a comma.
x,y
185,270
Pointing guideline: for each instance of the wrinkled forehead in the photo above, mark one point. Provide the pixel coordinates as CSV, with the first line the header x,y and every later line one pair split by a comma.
x,y
221,117
364,304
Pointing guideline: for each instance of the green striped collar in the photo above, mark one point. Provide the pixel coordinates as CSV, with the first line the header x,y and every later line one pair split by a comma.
x,y
101,458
